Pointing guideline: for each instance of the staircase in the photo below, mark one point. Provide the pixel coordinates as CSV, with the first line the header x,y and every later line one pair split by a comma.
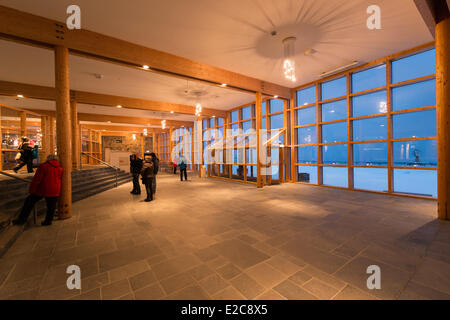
x,y
85,183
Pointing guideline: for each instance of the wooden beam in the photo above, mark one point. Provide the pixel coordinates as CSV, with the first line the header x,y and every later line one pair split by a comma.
x,y
63,128
120,119
426,10
120,128
48,93
443,114
21,26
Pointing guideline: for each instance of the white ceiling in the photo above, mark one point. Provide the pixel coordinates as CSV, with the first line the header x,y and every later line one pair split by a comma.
x,y
26,64
34,104
235,34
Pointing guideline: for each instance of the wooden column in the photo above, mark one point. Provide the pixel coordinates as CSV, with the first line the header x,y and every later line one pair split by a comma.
x,y
23,124
1,138
75,137
154,143
142,145
258,106
443,113
51,134
63,129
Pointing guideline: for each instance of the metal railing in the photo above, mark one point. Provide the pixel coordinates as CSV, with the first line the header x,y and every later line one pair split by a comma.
x,y
24,180
103,162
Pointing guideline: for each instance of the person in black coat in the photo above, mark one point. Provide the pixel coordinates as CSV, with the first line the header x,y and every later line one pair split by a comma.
x,y
26,156
155,169
135,169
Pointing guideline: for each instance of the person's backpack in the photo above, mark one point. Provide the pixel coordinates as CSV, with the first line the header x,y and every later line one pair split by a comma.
x,y
182,165
35,153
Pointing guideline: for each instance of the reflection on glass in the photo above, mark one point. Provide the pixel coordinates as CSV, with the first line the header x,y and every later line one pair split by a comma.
x,y
415,66
335,154
334,132
369,79
307,135
334,110
306,116
334,88
335,176
307,155
421,94
370,129
374,179
371,103
419,182
306,96
414,124
370,154
419,153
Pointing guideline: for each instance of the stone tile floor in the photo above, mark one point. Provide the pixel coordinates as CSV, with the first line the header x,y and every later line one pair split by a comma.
x,y
215,239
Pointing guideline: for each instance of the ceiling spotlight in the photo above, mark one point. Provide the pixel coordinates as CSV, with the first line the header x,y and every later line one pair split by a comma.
x,y
275,97
213,116
119,106
223,85
171,111
19,96
146,67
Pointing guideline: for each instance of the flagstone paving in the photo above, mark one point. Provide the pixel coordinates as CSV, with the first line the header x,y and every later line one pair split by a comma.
x,y
216,239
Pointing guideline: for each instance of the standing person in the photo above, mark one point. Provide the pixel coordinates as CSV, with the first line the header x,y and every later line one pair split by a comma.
x,y
182,165
26,156
155,170
174,163
148,174
136,164
46,184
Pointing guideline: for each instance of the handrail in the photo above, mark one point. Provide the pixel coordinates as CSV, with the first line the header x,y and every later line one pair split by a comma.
x,y
105,163
13,176
24,180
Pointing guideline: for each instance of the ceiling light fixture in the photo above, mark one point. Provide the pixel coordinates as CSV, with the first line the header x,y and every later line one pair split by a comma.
x,y
19,96
163,124
341,68
145,132
119,106
275,97
171,111
146,67
289,62
223,85
198,109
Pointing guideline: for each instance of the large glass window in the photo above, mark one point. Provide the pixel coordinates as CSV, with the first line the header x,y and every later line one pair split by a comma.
x,y
421,94
235,116
277,121
415,66
334,132
414,124
370,129
334,88
306,96
307,174
368,104
246,113
369,79
370,154
416,153
375,179
334,154
418,182
307,155
335,176
307,135
276,105
306,116
335,110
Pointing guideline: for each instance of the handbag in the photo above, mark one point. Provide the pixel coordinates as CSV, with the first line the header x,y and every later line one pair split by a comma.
x,y
18,156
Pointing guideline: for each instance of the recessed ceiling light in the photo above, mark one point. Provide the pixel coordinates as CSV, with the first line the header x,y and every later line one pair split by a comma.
x,y
19,96
171,111
213,116
223,85
146,67
109,121
119,106
275,97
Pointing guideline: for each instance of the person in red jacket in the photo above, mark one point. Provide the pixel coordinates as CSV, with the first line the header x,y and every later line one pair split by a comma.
x,y
46,184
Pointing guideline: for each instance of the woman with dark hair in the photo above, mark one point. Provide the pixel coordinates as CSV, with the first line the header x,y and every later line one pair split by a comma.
x,y
155,170
148,174
26,156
